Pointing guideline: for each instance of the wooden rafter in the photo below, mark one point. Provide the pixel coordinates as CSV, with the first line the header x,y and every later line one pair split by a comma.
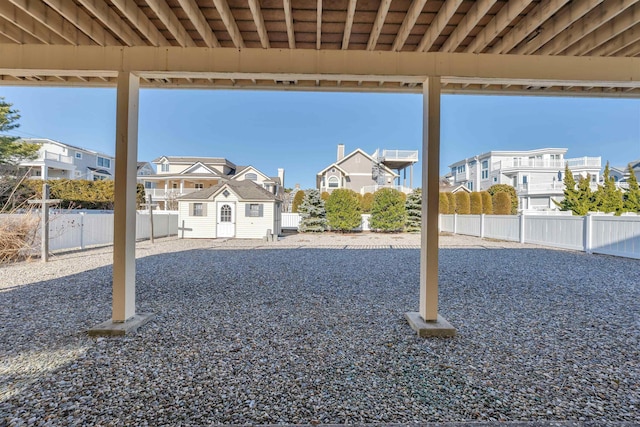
x,y
606,32
468,23
557,24
53,21
348,25
530,24
229,22
142,23
618,43
631,50
113,21
504,17
83,22
28,24
608,10
439,22
288,16
173,25
14,33
407,24
383,9
319,25
258,19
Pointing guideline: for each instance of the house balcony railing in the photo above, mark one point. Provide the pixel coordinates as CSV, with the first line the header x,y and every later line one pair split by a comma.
x,y
374,188
579,162
406,155
556,187
46,155
162,194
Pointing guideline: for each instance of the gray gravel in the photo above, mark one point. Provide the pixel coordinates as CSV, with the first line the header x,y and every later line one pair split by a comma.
x,y
311,330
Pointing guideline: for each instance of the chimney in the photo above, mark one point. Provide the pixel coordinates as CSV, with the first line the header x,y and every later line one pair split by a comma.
x,y
340,152
281,176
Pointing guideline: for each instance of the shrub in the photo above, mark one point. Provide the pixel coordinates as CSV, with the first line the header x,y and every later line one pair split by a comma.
x,y
312,213
297,201
452,203
387,212
325,195
475,203
367,202
343,210
462,203
17,237
506,188
502,203
443,206
487,203
413,209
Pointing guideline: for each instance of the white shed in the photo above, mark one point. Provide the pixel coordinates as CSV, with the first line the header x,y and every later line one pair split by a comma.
x,y
239,209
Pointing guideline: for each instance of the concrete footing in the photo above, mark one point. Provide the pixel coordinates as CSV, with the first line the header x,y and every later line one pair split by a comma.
x,y
439,328
111,328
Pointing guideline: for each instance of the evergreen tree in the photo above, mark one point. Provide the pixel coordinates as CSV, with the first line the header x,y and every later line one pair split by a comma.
x,y
343,210
487,203
413,209
502,203
312,213
388,212
475,200
608,197
570,200
11,151
452,202
297,201
586,201
443,206
462,203
497,188
632,195
366,202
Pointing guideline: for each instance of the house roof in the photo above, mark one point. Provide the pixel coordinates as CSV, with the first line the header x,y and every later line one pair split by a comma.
x,y
64,144
100,171
191,160
351,154
454,188
245,190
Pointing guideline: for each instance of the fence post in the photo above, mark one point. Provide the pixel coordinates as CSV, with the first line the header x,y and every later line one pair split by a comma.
x,y
439,222
455,223
82,214
168,226
588,232
481,226
522,236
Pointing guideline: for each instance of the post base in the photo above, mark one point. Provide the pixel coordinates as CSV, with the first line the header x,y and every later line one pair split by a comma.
x,y
111,328
439,328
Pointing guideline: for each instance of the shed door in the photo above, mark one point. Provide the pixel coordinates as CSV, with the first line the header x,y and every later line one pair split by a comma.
x,y
226,226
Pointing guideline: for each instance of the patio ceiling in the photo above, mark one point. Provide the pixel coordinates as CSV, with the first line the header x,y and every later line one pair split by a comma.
x,y
144,33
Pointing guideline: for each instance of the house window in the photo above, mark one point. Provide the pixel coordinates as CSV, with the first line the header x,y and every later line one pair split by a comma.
x,y
174,186
78,155
99,177
78,174
495,179
334,182
251,177
485,169
198,186
253,210
470,185
148,184
164,167
198,209
462,168
104,162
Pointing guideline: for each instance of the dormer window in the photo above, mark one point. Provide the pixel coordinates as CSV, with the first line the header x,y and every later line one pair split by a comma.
x,y
164,167
251,177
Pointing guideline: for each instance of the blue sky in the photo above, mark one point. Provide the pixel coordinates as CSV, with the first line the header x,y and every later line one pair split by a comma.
x,y
299,131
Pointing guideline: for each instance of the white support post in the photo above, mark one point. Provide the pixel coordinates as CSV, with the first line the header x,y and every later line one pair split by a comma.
x,y
522,236
588,233
427,322
455,223
82,245
481,226
44,171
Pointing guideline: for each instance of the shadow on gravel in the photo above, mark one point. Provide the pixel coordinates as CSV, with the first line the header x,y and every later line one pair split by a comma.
x,y
317,335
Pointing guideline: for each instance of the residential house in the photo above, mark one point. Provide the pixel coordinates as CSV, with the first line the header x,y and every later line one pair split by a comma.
x,y
177,176
620,174
364,173
537,175
240,209
57,160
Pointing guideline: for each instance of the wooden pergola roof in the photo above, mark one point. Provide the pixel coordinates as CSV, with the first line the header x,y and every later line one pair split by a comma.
x,y
243,30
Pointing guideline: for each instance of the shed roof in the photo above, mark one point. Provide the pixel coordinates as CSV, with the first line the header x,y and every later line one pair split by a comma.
x,y
245,190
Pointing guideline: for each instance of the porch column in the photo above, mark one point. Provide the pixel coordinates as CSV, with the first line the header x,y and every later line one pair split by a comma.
x,y
44,172
427,322
181,186
124,318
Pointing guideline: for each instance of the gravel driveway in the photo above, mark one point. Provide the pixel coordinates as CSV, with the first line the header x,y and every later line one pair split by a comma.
x,y
310,329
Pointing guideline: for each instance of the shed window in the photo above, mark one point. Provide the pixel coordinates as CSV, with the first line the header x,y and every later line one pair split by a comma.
x,y
254,210
198,209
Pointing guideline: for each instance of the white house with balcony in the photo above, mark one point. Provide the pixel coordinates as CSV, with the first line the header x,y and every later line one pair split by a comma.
x,y
537,175
57,160
177,176
364,173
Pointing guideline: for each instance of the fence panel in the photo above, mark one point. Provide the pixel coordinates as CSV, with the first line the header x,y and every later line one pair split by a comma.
x,y
469,225
502,227
290,220
618,236
558,231
65,231
98,229
446,223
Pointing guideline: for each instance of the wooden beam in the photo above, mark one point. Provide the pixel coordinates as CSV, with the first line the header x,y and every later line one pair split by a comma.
x,y
468,23
557,24
83,22
112,21
437,25
142,23
229,22
618,43
289,22
383,9
52,20
173,25
258,19
14,33
608,10
407,24
503,18
319,25
348,25
630,51
606,32
29,24
528,25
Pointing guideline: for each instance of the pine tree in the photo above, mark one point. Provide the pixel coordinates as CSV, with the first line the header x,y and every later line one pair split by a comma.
x,y
343,210
413,209
388,212
608,197
570,193
632,195
586,201
12,151
312,213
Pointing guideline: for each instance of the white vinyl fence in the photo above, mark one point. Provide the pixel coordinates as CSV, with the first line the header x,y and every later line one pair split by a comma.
x,y
594,233
80,230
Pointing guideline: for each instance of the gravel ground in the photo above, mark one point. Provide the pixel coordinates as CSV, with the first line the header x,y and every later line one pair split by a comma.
x,y
310,329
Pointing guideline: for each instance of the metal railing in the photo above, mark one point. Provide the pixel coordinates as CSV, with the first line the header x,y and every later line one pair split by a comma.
x,y
594,162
